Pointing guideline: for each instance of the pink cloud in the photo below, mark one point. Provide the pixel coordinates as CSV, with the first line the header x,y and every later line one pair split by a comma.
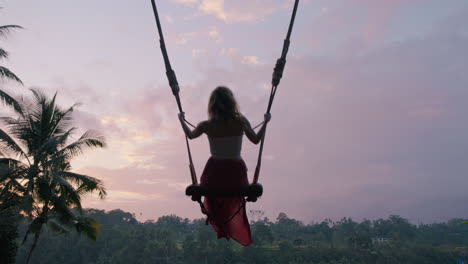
x,y
235,12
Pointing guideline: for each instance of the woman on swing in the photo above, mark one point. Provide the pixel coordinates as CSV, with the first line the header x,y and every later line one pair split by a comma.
x,y
225,170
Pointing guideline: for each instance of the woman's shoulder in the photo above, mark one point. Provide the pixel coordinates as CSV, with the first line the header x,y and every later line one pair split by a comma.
x,y
243,120
204,125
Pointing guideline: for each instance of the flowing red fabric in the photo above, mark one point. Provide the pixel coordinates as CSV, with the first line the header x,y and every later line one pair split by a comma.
x,y
227,215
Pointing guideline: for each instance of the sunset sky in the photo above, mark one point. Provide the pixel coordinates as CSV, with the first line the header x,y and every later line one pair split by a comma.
x,y
370,119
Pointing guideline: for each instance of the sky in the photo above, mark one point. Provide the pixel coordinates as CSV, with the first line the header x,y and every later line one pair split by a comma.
x,y
370,118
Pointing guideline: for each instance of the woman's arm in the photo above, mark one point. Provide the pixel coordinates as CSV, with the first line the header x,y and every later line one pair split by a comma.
x,y
250,133
196,132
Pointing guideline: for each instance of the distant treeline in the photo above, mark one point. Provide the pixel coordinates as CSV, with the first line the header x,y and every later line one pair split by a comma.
x,y
172,239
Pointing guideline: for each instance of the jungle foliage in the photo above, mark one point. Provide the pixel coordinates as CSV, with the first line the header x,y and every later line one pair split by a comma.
x,y
171,239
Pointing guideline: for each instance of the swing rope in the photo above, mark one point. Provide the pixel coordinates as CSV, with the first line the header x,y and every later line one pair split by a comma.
x,y
277,75
171,77
254,190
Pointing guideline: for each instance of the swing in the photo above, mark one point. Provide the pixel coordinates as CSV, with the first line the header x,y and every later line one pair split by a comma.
x,y
255,189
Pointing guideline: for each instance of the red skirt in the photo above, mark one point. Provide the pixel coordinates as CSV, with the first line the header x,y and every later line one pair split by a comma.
x,y
227,215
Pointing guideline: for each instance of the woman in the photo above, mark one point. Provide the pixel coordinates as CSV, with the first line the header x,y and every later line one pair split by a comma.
x,y
225,170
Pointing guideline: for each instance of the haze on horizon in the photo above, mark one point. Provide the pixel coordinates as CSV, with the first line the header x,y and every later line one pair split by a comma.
x,y
370,118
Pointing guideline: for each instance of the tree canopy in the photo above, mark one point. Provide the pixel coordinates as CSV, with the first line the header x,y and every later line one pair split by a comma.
x,y
38,147
172,239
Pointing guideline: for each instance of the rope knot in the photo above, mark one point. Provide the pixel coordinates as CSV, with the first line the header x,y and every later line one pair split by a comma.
x,y
171,77
278,71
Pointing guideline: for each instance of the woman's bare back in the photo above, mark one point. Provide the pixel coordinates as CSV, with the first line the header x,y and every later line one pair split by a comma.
x,y
224,128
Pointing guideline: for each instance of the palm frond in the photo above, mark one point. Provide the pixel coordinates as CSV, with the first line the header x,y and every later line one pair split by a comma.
x,y
47,115
9,121
7,74
36,109
10,179
5,185
6,29
65,215
90,139
67,191
39,97
19,128
93,139
88,226
55,142
7,142
10,101
11,185
47,119
9,201
63,120
56,158
3,54
56,227
86,183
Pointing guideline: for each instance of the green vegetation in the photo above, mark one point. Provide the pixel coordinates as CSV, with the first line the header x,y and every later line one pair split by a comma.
x,y
8,235
5,73
172,239
37,179
8,199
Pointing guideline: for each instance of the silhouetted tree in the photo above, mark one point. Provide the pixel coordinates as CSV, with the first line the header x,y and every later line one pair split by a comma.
x,y
5,73
125,240
40,138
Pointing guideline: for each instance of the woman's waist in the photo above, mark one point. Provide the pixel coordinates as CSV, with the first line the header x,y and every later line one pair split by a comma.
x,y
227,152
218,157
226,147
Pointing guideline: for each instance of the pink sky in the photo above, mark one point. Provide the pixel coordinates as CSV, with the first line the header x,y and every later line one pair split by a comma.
x,y
369,119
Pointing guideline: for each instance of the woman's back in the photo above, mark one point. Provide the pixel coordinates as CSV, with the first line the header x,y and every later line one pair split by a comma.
x,y
224,128
225,138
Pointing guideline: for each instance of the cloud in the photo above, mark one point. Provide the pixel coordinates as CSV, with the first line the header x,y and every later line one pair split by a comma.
x,y
187,2
250,60
214,34
169,19
183,38
186,37
125,196
236,12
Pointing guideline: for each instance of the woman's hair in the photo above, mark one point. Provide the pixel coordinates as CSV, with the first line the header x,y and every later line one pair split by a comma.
x,y
222,104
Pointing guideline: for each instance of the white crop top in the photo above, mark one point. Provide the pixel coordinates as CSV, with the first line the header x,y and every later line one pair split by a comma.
x,y
226,147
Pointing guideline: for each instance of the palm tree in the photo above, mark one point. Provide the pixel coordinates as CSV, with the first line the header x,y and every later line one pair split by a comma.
x,y
5,73
39,142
